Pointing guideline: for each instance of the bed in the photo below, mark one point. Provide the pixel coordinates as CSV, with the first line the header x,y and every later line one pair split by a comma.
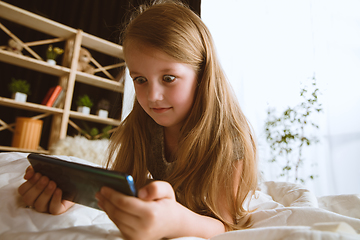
x,y
283,211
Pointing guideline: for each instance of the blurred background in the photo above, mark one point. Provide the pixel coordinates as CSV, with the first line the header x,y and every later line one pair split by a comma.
x,y
268,49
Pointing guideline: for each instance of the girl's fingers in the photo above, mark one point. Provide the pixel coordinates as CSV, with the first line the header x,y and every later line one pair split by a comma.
x,y
123,202
57,205
156,190
41,193
113,202
137,206
32,194
126,222
42,202
26,186
29,173
138,217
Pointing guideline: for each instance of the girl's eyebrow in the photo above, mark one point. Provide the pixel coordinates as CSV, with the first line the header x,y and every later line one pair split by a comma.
x,y
165,70
133,73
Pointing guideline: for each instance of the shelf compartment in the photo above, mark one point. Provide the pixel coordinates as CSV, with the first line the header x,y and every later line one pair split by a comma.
x,y
29,106
32,63
57,70
94,118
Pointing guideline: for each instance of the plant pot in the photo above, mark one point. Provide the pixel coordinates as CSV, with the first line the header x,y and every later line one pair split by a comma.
x,y
27,133
51,61
19,97
84,110
102,113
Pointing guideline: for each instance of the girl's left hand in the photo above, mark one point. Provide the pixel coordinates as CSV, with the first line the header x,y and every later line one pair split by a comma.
x,y
152,215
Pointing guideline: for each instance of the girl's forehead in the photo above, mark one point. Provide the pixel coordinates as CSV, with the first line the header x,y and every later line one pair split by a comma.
x,y
134,46
136,49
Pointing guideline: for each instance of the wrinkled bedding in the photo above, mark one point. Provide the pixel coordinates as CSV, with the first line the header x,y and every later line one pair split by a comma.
x,y
281,211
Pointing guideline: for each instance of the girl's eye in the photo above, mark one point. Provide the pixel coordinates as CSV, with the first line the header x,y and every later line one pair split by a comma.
x,y
169,78
139,80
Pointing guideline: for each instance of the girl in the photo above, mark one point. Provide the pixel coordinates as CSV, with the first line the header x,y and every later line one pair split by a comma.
x,y
186,133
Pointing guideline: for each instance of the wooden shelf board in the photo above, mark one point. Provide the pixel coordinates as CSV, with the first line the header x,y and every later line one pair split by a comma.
x,y
32,63
29,106
108,48
56,29
34,21
13,149
99,82
94,118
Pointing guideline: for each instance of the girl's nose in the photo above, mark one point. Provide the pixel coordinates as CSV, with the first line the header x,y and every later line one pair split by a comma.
x,y
155,92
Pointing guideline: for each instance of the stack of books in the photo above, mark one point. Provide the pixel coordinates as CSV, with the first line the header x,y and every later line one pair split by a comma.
x,y
54,96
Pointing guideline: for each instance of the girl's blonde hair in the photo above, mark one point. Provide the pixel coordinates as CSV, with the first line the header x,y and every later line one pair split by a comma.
x,y
205,159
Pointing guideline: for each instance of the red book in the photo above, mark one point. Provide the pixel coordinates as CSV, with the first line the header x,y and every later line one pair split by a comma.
x,y
53,96
47,96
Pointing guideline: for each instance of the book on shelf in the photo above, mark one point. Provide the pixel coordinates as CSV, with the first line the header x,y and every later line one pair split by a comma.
x,y
47,96
59,98
51,96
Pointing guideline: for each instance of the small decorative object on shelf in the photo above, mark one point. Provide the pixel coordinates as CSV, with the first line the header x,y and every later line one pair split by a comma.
x,y
14,46
84,62
103,108
84,104
52,53
27,133
19,89
102,113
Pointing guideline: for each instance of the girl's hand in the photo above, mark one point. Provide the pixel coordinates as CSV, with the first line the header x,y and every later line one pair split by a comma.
x,y
42,194
152,215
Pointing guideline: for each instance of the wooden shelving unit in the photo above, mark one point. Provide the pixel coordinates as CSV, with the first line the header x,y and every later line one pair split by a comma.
x,y
74,40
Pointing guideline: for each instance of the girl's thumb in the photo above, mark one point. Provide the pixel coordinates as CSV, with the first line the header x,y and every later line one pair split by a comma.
x,y
156,190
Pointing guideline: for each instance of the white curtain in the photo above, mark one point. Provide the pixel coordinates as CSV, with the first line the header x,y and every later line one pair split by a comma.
x,y
267,48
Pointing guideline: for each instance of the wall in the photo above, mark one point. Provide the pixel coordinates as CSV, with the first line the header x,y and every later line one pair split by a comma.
x,y
268,47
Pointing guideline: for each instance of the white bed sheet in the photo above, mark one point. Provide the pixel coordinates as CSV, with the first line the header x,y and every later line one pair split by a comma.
x,y
283,211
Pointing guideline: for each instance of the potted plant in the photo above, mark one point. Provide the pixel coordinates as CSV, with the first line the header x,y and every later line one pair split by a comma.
x,y
19,89
103,108
289,133
94,133
84,104
52,54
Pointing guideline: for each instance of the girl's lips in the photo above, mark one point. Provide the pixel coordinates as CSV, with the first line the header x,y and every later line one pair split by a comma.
x,y
160,110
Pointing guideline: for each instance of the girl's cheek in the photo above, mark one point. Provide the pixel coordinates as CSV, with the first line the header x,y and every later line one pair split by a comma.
x,y
140,94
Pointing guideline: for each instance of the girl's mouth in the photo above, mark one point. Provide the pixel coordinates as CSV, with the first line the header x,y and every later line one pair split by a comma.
x,y
160,110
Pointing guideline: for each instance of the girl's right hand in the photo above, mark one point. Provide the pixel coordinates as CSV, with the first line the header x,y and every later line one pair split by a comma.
x,y
42,194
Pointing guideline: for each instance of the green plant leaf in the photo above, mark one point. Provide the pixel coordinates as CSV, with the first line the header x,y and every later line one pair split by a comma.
x,y
19,85
84,101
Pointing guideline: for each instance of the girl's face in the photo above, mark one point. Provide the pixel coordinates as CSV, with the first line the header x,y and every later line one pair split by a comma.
x,y
164,88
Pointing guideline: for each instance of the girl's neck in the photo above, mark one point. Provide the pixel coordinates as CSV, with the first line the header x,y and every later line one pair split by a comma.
x,y
171,139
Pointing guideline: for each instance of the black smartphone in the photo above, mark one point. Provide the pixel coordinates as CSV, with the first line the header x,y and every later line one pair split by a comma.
x,y
79,183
